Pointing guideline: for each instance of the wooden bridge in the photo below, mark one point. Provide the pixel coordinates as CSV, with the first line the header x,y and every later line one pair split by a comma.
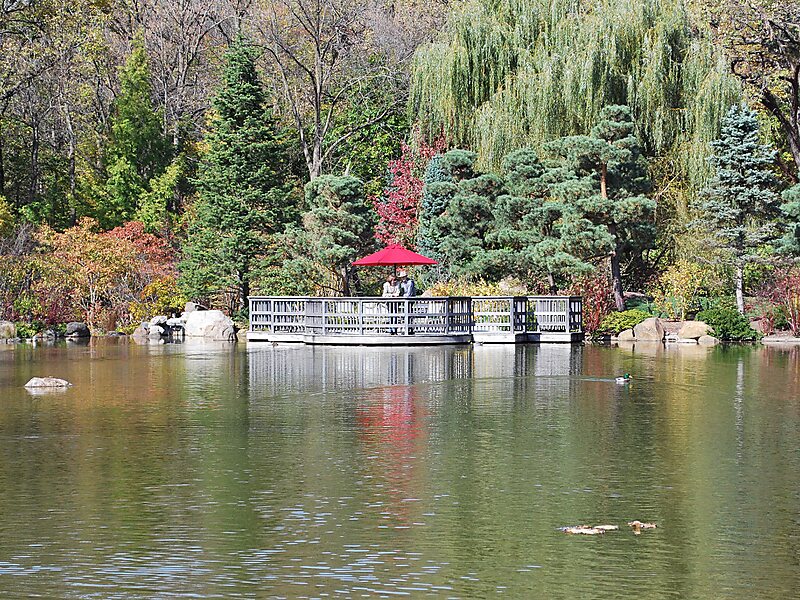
x,y
415,321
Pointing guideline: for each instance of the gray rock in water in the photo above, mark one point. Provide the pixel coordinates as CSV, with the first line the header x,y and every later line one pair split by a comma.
x,y
175,322
694,330
156,331
626,336
209,324
76,329
7,330
158,320
47,382
139,332
649,330
708,340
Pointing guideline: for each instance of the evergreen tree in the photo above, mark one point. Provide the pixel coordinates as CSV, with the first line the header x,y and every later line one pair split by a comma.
x,y
432,204
244,196
536,234
460,231
739,206
604,177
336,230
137,149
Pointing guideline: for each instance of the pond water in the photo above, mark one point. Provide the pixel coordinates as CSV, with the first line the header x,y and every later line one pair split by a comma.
x,y
260,471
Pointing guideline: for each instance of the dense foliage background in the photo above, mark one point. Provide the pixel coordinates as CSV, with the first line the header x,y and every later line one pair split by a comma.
x,y
644,154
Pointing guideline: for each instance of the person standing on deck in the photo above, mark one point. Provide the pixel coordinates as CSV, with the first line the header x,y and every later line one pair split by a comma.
x,y
407,286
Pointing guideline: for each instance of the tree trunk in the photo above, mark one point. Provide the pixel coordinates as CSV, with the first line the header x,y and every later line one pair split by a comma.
x,y
616,271
740,288
345,281
551,282
616,281
244,292
2,166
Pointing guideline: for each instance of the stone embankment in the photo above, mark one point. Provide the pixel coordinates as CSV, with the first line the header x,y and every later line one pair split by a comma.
x,y
654,330
192,323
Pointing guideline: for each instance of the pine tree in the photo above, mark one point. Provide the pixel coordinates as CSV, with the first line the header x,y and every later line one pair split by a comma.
x,y
739,206
244,195
604,176
432,204
337,229
536,234
459,233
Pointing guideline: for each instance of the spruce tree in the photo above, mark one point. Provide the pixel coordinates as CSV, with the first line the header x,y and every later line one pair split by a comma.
x,y
738,208
244,195
433,204
604,177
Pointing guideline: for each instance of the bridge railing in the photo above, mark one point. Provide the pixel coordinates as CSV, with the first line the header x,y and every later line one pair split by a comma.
x,y
368,316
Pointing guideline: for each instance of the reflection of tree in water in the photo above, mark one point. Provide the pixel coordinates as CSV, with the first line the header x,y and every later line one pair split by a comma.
x,y
390,427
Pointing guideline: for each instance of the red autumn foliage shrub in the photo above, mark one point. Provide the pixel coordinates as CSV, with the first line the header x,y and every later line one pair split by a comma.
x,y
398,207
598,298
784,291
156,255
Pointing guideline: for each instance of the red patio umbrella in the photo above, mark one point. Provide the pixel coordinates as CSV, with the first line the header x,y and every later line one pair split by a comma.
x,y
393,255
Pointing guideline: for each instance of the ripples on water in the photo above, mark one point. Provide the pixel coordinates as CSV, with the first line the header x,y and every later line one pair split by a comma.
x,y
259,472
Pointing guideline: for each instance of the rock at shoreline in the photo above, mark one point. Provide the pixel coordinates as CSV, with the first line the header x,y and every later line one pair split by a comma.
x,y
209,324
191,307
158,320
694,330
626,336
76,329
47,382
175,322
139,332
707,340
649,330
8,330
156,331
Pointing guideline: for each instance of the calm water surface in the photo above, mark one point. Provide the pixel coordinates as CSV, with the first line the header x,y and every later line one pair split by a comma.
x,y
253,471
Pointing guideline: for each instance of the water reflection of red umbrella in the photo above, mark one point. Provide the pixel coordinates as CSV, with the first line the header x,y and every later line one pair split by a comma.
x,y
394,255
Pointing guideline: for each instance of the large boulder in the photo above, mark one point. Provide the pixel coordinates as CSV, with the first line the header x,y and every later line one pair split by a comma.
x,y
707,340
626,335
8,330
209,324
649,330
191,307
156,331
158,320
693,330
140,332
80,330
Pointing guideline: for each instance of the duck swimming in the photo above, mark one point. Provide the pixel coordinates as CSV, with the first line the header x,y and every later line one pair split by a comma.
x,y
637,526
624,378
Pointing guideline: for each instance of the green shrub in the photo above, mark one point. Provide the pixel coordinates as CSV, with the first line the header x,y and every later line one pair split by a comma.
x,y
26,331
728,324
619,321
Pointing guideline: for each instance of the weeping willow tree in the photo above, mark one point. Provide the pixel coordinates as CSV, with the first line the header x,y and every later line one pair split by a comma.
x,y
507,74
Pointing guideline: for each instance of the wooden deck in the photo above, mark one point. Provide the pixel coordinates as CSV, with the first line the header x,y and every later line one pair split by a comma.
x,y
416,321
